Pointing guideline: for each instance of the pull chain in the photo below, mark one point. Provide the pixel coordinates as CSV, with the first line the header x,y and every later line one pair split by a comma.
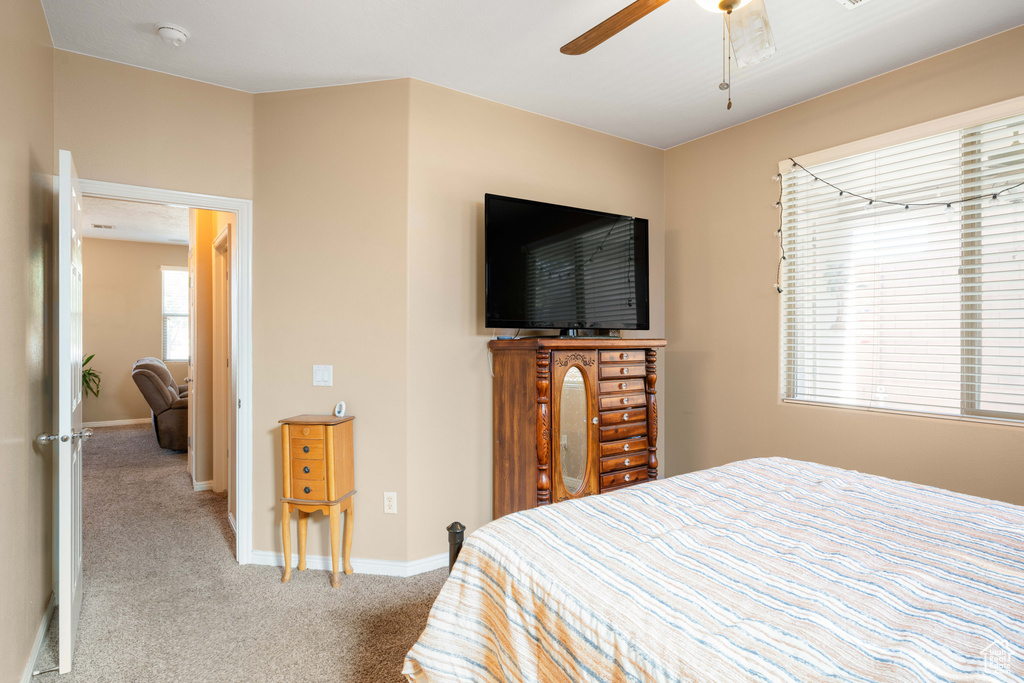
x,y
728,52
726,83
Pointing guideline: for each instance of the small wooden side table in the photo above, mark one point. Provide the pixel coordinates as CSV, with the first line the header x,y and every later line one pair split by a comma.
x,y
318,477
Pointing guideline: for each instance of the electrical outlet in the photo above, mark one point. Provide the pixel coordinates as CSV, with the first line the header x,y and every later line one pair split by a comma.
x,y
390,503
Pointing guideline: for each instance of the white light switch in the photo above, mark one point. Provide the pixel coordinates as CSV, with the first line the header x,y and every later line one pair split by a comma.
x,y
323,375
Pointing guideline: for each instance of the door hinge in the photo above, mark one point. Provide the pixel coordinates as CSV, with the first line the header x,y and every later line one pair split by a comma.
x,y
227,362
190,443
239,404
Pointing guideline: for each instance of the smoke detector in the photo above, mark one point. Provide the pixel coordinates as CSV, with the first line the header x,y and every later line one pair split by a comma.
x,y
100,226
172,34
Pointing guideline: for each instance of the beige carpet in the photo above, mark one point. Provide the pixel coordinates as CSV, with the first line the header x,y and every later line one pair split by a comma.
x,y
165,600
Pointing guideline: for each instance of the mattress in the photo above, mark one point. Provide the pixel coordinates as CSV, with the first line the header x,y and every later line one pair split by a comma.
x,y
762,570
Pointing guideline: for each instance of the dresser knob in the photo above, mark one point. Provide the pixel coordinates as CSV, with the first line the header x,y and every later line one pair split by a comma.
x,y
622,385
623,371
626,447
625,400
306,470
305,431
625,416
305,449
307,489
627,477
594,420
627,462
623,356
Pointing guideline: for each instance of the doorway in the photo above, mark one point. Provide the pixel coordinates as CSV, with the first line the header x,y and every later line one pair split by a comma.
x,y
228,249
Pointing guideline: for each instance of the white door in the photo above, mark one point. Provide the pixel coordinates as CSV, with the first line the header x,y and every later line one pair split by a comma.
x,y
69,408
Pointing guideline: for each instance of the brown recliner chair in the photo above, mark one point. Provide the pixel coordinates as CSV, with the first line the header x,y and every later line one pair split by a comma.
x,y
167,400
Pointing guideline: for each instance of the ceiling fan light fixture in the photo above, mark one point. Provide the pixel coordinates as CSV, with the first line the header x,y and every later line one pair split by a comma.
x,y
722,5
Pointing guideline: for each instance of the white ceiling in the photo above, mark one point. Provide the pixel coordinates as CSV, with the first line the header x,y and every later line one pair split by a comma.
x,y
135,221
655,83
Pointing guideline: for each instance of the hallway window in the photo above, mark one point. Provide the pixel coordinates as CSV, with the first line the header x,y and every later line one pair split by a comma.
x,y
175,313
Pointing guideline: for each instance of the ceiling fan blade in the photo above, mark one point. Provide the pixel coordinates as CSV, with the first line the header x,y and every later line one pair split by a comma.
x,y
751,35
610,26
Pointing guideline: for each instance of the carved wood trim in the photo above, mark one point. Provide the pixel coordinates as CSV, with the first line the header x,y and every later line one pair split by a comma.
x,y
652,414
576,359
543,426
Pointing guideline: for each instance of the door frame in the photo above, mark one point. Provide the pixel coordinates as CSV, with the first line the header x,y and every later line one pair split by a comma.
x,y
241,293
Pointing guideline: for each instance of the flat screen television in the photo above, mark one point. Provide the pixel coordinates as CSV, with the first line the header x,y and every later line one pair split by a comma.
x,y
556,267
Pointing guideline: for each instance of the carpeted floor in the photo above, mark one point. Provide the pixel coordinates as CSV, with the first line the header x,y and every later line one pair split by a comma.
x,y
165,600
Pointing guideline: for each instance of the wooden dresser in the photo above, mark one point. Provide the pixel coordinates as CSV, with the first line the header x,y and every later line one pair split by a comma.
x,y
572,417
318,476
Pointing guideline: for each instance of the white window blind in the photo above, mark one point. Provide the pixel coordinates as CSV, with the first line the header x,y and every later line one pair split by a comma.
x,y
174,303
918,310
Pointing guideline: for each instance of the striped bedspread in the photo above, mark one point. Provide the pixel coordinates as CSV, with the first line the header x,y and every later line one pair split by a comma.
x,y
761,570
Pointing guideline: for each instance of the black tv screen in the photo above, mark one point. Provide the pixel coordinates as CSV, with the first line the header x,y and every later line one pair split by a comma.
x,y
556,267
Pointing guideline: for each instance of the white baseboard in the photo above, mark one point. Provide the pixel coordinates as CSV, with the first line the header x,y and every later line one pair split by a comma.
x,y
40,639
359,565
234,525
118,423
202,485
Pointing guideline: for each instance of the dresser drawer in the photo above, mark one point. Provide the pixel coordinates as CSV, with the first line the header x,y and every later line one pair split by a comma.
x,y
623,356
619,371
622,401
623,431
623,447
307,431
624,416
623,462
307,449
622,477
308,469
617,386
309,490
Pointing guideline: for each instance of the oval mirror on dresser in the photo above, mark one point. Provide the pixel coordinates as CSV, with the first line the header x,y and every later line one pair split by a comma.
x,y
572,431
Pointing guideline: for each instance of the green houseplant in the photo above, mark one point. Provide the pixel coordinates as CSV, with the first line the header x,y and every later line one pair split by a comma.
x,y
90,377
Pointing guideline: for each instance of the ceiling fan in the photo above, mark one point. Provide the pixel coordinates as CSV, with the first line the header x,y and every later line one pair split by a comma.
x,y
745,29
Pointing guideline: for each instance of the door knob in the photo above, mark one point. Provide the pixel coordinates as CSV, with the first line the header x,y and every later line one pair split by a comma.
x,y
83,435
188,380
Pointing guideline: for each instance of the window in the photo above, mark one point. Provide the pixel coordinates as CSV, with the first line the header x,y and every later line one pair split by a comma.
x,y
917,310
175,313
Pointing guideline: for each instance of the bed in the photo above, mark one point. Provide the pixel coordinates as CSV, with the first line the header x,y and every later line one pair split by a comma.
x,y
761,570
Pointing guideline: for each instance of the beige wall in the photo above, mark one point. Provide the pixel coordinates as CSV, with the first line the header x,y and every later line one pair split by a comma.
x,y
129,125
122,286
461,147
329,287
723,316
27,284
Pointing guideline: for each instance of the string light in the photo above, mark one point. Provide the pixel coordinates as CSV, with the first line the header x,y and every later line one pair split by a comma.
x,y
989,199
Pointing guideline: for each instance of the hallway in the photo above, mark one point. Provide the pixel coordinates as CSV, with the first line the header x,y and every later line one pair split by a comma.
x,y
165,600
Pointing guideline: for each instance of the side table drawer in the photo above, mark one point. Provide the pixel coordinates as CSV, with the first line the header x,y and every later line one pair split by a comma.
x,y
308,470
307,431
309,490
308,449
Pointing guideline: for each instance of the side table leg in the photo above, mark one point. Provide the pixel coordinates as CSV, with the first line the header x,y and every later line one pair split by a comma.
x,y
348,536
335,533
286,540
303,519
